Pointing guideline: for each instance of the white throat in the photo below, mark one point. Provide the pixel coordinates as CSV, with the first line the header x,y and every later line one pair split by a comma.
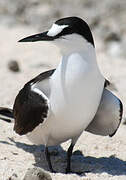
x,y
74,43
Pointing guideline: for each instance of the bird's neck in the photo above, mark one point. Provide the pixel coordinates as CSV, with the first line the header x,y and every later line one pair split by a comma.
x,y
87,54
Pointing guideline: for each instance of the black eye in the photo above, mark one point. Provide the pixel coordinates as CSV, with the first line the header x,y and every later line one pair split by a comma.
x,y
65,31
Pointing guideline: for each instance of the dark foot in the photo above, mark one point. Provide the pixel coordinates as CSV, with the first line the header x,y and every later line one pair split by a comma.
x,y
68,171
48,160
52,170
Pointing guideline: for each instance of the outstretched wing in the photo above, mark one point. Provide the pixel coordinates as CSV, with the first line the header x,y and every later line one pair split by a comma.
x,y
108,116
31,106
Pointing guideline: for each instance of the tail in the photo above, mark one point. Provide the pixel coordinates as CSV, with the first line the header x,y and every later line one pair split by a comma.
x,y
6,114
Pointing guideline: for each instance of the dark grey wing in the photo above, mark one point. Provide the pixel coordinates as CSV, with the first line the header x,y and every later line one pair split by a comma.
x,y
108,116
31,108
41,80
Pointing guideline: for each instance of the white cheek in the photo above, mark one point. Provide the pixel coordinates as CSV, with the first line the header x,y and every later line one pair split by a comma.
x,y
56,29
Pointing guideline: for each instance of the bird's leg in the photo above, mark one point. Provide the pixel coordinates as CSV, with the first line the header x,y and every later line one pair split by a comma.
x,y
69,154
48,159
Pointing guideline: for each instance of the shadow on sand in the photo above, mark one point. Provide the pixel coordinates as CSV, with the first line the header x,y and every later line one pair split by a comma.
x,y
111,165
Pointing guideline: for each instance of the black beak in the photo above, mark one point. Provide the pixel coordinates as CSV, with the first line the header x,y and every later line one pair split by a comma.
x,y
38,37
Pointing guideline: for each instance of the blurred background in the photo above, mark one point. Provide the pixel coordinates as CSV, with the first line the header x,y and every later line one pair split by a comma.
x,y
20,18
20,62
106,18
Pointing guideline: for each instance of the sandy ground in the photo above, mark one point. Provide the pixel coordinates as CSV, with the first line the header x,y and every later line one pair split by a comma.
x,y
101,158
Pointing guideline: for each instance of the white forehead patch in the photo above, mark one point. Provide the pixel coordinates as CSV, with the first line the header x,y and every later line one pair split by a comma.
x,y
56,29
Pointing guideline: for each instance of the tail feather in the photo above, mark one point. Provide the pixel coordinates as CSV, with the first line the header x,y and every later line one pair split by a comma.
x,y
6,114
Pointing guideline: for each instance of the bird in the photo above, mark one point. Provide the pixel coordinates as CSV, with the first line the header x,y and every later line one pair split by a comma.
x,y
59,104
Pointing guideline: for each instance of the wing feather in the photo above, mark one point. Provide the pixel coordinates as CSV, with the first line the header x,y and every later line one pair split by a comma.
x,y
31,106
108,116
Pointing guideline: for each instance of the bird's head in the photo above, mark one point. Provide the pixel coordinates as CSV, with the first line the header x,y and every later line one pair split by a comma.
x,y
69,34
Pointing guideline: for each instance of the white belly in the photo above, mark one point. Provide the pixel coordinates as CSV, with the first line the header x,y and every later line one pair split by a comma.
x,y
74,98
76,89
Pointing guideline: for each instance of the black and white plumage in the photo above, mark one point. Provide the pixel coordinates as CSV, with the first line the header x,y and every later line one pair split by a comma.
x,y
31,105
60,104
105,122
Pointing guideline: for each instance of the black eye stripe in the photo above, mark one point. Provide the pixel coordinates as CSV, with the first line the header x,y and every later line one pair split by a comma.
x,y
75,25
64,32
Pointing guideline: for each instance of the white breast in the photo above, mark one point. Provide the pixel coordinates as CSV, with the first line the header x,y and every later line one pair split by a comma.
x,y
75,93
76,89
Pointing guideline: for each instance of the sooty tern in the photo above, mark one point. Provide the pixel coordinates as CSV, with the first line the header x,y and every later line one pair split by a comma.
x,y
60,104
